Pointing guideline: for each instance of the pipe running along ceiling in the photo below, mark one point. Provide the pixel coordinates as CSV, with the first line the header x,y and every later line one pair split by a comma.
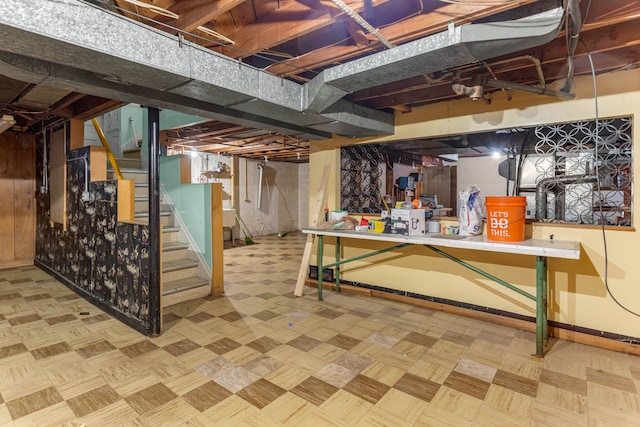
x,y
74,45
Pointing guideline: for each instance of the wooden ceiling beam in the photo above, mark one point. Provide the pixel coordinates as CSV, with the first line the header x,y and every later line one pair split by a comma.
x,y
134,10
63,108
92,106
284,24
404,31
205,142
68,100
262,151
78,106
292,20
205,130
357,34
602,39
627,57
603,13
194,13
255,148
203,147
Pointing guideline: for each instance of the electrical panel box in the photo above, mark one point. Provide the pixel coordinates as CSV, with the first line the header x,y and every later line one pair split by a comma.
x,y
409,222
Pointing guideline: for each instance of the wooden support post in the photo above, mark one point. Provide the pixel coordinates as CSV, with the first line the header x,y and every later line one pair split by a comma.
x,y
76,134
217,241
97,163
306,255
126,197
185,169
105,144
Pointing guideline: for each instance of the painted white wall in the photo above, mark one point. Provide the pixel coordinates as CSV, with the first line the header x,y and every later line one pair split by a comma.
x,y
483,173
285,199
210,168
278,209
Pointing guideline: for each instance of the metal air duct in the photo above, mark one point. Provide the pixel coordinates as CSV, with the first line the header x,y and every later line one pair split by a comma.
x,y
77,46
542,189
455,47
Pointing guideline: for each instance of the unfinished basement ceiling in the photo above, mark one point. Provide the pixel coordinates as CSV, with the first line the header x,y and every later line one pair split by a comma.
x,y
297,40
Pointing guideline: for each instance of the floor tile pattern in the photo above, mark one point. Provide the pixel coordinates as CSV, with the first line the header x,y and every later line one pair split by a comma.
x,y
258,356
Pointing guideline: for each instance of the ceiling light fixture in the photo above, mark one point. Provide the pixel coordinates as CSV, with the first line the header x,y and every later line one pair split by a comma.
x,y
158,10
6,122
215,34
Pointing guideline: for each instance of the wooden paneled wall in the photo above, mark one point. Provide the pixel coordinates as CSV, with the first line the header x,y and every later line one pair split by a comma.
x,y
17,199
442,181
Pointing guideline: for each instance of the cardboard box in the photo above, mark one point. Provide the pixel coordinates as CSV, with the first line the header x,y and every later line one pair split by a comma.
x,y
408,222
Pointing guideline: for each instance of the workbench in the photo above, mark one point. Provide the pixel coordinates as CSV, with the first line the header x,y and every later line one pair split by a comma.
x,y
541,249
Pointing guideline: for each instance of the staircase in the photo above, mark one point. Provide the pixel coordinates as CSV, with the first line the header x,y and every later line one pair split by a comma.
x,y
183,277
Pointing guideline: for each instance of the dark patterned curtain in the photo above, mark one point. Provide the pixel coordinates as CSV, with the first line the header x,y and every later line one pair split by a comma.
x,y
362,169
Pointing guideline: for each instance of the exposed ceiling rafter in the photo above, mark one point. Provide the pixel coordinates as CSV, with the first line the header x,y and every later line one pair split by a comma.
x,y
297,40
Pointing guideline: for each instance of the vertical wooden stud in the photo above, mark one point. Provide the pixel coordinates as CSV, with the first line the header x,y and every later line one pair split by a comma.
x,y
217,242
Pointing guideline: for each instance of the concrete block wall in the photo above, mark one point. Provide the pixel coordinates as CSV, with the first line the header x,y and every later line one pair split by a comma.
x,y
278,210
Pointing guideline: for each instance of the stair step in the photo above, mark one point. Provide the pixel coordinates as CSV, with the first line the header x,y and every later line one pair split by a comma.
x,y
165,220
145,214
166,217
172,298
183,285
128,163
144,198
180,264
174,250
174,246
133,174
170,233
177,269
141,189
132,153
142,203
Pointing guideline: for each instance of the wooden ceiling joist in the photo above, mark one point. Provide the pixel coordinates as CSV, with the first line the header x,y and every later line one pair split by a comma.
x,y
308,36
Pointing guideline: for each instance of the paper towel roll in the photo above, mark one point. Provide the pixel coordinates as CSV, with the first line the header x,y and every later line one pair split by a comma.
x,y
433,226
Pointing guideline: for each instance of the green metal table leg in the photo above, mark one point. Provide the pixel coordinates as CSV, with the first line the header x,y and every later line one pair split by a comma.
x,y
542,330
337,264
320,250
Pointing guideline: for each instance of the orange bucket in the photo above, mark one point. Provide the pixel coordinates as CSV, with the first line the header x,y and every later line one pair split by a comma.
x,y
506,218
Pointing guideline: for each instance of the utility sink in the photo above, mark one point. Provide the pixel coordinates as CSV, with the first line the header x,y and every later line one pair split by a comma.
x,y
228,217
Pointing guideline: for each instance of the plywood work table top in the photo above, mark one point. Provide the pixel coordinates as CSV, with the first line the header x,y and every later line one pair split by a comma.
x,y
537,247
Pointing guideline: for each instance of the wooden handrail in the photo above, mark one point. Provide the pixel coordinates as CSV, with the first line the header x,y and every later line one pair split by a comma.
x,y
105,144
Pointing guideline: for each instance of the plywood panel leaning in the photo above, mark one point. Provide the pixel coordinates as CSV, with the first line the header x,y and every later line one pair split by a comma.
x,y
7,219
17,210
24,198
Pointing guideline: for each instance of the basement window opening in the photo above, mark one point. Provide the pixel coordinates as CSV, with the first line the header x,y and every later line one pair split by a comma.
x,y
555,166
